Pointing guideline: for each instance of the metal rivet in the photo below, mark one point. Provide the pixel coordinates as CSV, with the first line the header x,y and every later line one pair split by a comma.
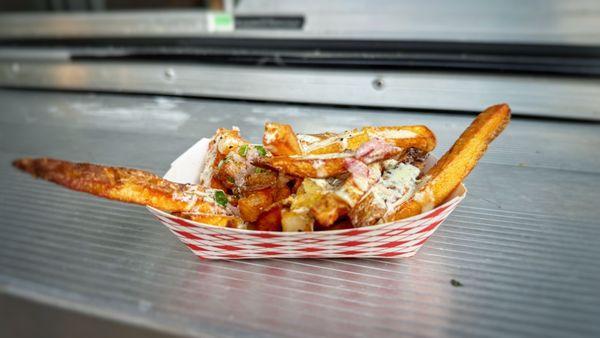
x,y
378,84
169,73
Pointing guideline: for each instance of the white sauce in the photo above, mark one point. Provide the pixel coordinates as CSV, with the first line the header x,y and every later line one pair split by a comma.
x,y
391,133
396,186
270,136
191,195
319,165
307,138
207,171
321,183
322,143
226,144
322,156
345,196
426,199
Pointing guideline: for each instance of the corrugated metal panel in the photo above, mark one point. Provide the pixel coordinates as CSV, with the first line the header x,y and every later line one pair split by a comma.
x,y
524,242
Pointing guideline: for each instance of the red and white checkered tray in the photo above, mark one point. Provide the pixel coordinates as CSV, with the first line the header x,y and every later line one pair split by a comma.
x,y
396,239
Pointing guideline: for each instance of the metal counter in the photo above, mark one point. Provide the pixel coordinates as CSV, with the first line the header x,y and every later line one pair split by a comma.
x,y
524,243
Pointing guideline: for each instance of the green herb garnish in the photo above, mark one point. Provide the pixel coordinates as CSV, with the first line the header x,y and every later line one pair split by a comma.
x,y
220,164
259,170
261,150
455,283
221,198
243,150
230,179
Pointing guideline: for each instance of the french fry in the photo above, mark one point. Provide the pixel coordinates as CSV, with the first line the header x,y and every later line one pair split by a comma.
x,y
301,166
259,179
456,164
419,137
252,205
222,143
280,139
120,184
329,165
270,219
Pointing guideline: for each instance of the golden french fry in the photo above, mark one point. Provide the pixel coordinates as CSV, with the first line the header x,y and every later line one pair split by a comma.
x,y
280,139
121,184
419,137
270,219
252,205
302,166
456,164
224,141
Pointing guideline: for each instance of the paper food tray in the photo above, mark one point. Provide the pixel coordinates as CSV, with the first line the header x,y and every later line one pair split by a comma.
x,y
396,239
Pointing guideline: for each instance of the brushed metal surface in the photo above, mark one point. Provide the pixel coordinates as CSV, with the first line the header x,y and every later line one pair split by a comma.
x,y
523,244
512,21
565,97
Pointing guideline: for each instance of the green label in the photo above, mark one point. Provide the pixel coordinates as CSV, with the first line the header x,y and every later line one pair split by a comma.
x,y
220,22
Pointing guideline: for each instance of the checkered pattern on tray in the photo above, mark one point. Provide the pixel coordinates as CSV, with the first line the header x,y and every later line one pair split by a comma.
x,y
396,239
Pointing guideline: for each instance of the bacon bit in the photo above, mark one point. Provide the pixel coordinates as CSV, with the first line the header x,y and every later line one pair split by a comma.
x,y
375,150
356,168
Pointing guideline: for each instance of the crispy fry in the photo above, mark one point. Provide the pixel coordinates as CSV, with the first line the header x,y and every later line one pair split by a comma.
x,y
121,184
218,220
329,165
456,164
419,137
280,140
302,166
270,219
222,143
259,179
252,205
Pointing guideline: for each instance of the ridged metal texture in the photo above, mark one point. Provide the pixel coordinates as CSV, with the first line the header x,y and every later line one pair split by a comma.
x,y
524,243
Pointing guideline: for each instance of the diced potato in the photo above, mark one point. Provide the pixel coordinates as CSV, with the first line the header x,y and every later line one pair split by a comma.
x,y
252,205
270,220
292,221
329,210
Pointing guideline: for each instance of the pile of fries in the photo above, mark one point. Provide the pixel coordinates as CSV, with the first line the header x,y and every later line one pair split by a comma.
x,y
295,182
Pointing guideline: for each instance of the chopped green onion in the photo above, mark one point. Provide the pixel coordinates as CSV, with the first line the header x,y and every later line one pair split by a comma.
x,y
243,150
259,170
220,164
230,179
221,198
261,150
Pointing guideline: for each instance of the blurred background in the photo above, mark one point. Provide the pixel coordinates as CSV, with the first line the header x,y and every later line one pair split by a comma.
x,y
135,83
